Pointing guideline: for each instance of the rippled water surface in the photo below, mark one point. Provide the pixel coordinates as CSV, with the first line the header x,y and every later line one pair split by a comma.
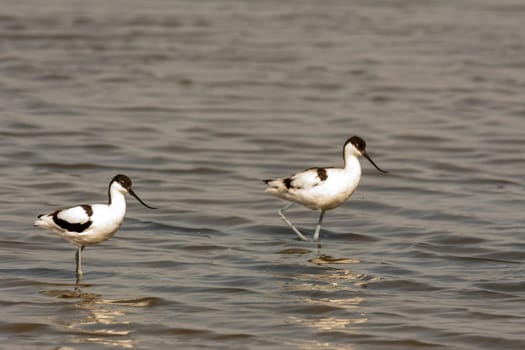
x,y
197,101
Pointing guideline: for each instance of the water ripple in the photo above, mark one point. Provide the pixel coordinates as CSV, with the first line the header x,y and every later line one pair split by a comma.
x,y
198,101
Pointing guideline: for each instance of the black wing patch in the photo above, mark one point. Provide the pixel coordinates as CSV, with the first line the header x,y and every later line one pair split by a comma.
x,y
321,174
87,209
288,182
72,227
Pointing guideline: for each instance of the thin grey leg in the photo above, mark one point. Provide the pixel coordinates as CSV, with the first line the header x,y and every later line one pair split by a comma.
x,y
318,227
78,258
289,223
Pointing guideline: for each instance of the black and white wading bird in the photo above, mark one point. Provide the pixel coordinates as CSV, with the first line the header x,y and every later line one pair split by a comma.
x,y
89,224
322,188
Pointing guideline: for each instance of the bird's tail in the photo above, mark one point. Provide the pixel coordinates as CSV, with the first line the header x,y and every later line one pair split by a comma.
x,y
41,221
274,186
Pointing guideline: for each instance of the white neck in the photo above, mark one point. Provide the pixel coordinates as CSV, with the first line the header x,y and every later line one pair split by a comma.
x,y
117,200
352,164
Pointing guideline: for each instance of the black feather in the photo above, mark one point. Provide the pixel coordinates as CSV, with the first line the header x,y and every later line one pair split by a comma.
x,y
71,227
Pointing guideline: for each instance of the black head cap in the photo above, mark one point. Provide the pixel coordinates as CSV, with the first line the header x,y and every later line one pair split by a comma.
x,y
123,180
358,143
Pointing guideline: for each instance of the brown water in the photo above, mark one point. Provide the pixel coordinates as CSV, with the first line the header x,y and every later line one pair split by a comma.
x,y
197,101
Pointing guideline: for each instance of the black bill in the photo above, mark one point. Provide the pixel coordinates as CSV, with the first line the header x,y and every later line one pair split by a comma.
x,y
371,161
131,192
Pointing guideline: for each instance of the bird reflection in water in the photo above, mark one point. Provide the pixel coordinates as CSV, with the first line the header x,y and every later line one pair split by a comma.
x,y
331,298
331,303
92,319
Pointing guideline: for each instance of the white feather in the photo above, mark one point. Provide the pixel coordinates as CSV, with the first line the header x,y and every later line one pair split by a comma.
x,y
74,215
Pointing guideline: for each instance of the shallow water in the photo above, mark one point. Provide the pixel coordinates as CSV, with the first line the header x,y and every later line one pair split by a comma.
x,y
197,101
